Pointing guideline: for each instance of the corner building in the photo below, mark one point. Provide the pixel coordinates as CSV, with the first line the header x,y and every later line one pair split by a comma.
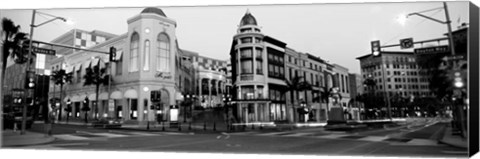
x,y
260,67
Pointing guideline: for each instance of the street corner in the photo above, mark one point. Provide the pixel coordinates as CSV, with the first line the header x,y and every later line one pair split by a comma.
x,y
15,139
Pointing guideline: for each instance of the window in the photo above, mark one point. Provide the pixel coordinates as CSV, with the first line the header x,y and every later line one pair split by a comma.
x,y
246,40
163,55
258,40
133,109
259,67
119,66
245,53
246,66
134,52
146,55
258,53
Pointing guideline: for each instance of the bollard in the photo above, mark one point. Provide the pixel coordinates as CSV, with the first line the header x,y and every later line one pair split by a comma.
x,y
253,126
179,126
163,126
204,126
261,127
214,127
190,126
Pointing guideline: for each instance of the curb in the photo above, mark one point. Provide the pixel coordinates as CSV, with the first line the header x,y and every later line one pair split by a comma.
x,y
49,140
450,144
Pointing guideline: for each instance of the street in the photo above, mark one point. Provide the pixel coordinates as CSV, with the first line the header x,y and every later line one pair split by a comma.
x,y
414,139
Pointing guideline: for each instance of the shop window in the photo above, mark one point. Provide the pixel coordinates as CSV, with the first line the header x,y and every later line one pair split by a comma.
x,y
133,109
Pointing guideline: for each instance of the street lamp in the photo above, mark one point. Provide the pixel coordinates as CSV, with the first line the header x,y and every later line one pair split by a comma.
x,y
29,56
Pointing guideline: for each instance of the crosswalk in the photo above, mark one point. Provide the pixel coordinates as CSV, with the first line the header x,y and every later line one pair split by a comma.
x,y
82,135
345,136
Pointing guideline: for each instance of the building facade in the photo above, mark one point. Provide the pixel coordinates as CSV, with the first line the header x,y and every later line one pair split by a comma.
x,y
263,67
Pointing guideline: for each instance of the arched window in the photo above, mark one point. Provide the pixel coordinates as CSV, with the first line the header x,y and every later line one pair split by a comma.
x,y
134,52
146,55
163,55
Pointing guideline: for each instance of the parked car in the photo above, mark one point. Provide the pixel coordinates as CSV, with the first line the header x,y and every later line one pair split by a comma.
x,y
108,123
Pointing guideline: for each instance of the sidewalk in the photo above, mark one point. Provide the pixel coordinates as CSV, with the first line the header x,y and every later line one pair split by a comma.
x,y
453,140
13,139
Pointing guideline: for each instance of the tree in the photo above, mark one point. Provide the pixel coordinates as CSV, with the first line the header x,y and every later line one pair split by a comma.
x,y
438,78
96,76
61,77
293,86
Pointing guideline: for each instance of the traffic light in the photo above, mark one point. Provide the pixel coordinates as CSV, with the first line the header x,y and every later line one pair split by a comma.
x,y
17,100
30,80
406,43
375,47
69,106
457,79
155,96
113,53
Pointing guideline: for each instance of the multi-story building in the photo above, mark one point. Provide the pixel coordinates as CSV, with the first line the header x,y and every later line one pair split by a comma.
x,y
262,66
148,59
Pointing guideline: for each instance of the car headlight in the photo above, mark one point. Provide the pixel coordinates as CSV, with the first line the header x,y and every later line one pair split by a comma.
x,y
110,122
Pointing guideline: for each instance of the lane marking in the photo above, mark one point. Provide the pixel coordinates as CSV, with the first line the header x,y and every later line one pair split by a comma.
x,y
144,134
331,136
274,133
455,152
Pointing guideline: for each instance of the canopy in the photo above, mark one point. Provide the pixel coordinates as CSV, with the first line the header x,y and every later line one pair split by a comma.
x,y
131,93
116,95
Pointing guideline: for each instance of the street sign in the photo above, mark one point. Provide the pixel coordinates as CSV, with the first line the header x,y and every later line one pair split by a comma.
x,y
432,50
43,51
406,43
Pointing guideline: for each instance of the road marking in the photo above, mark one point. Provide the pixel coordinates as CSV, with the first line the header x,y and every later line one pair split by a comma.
x,y
71,144
70,137
143,134
374,138
110,135
174,133
422,142
273,133
298,134
331,136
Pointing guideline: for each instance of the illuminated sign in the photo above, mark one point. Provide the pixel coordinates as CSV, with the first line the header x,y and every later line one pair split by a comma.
x,y
432,50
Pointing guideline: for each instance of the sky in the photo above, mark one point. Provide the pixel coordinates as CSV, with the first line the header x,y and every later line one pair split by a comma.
x,y
337,33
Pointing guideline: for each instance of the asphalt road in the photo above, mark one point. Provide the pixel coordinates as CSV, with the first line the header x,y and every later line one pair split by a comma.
x,y
413,141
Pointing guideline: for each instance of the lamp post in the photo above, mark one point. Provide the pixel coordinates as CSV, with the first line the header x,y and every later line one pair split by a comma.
x,y
29,57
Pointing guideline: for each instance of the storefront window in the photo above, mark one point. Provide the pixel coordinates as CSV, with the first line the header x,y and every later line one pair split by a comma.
x,y
247,92
133,109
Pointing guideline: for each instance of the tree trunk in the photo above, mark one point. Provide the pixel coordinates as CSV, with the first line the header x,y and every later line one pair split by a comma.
x,y
60,108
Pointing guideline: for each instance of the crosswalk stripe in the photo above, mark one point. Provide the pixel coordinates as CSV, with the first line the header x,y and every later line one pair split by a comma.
x,y
424,142
110,135
70,137
373,138
298,134
143,134
331,136
273,133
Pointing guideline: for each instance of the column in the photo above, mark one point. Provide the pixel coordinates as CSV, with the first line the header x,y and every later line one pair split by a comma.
x,y
209,101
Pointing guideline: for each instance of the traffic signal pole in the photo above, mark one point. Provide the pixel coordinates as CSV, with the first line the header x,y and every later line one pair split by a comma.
x,y
27,69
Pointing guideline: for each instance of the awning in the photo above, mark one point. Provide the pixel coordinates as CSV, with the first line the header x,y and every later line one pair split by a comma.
x,y
95,62
82,97
92,97
76,99
87,63
66,98
131,94
116,95
119,55
103,96
77,68
69,69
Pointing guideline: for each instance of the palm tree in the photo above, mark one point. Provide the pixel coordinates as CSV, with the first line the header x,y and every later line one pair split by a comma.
x,y
294,85
61,77
96,76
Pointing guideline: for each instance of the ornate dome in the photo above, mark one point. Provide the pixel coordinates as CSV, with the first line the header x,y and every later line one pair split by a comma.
x,y
154,10
248,19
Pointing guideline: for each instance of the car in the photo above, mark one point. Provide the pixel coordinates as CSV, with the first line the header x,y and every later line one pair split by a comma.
x,y
108,123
